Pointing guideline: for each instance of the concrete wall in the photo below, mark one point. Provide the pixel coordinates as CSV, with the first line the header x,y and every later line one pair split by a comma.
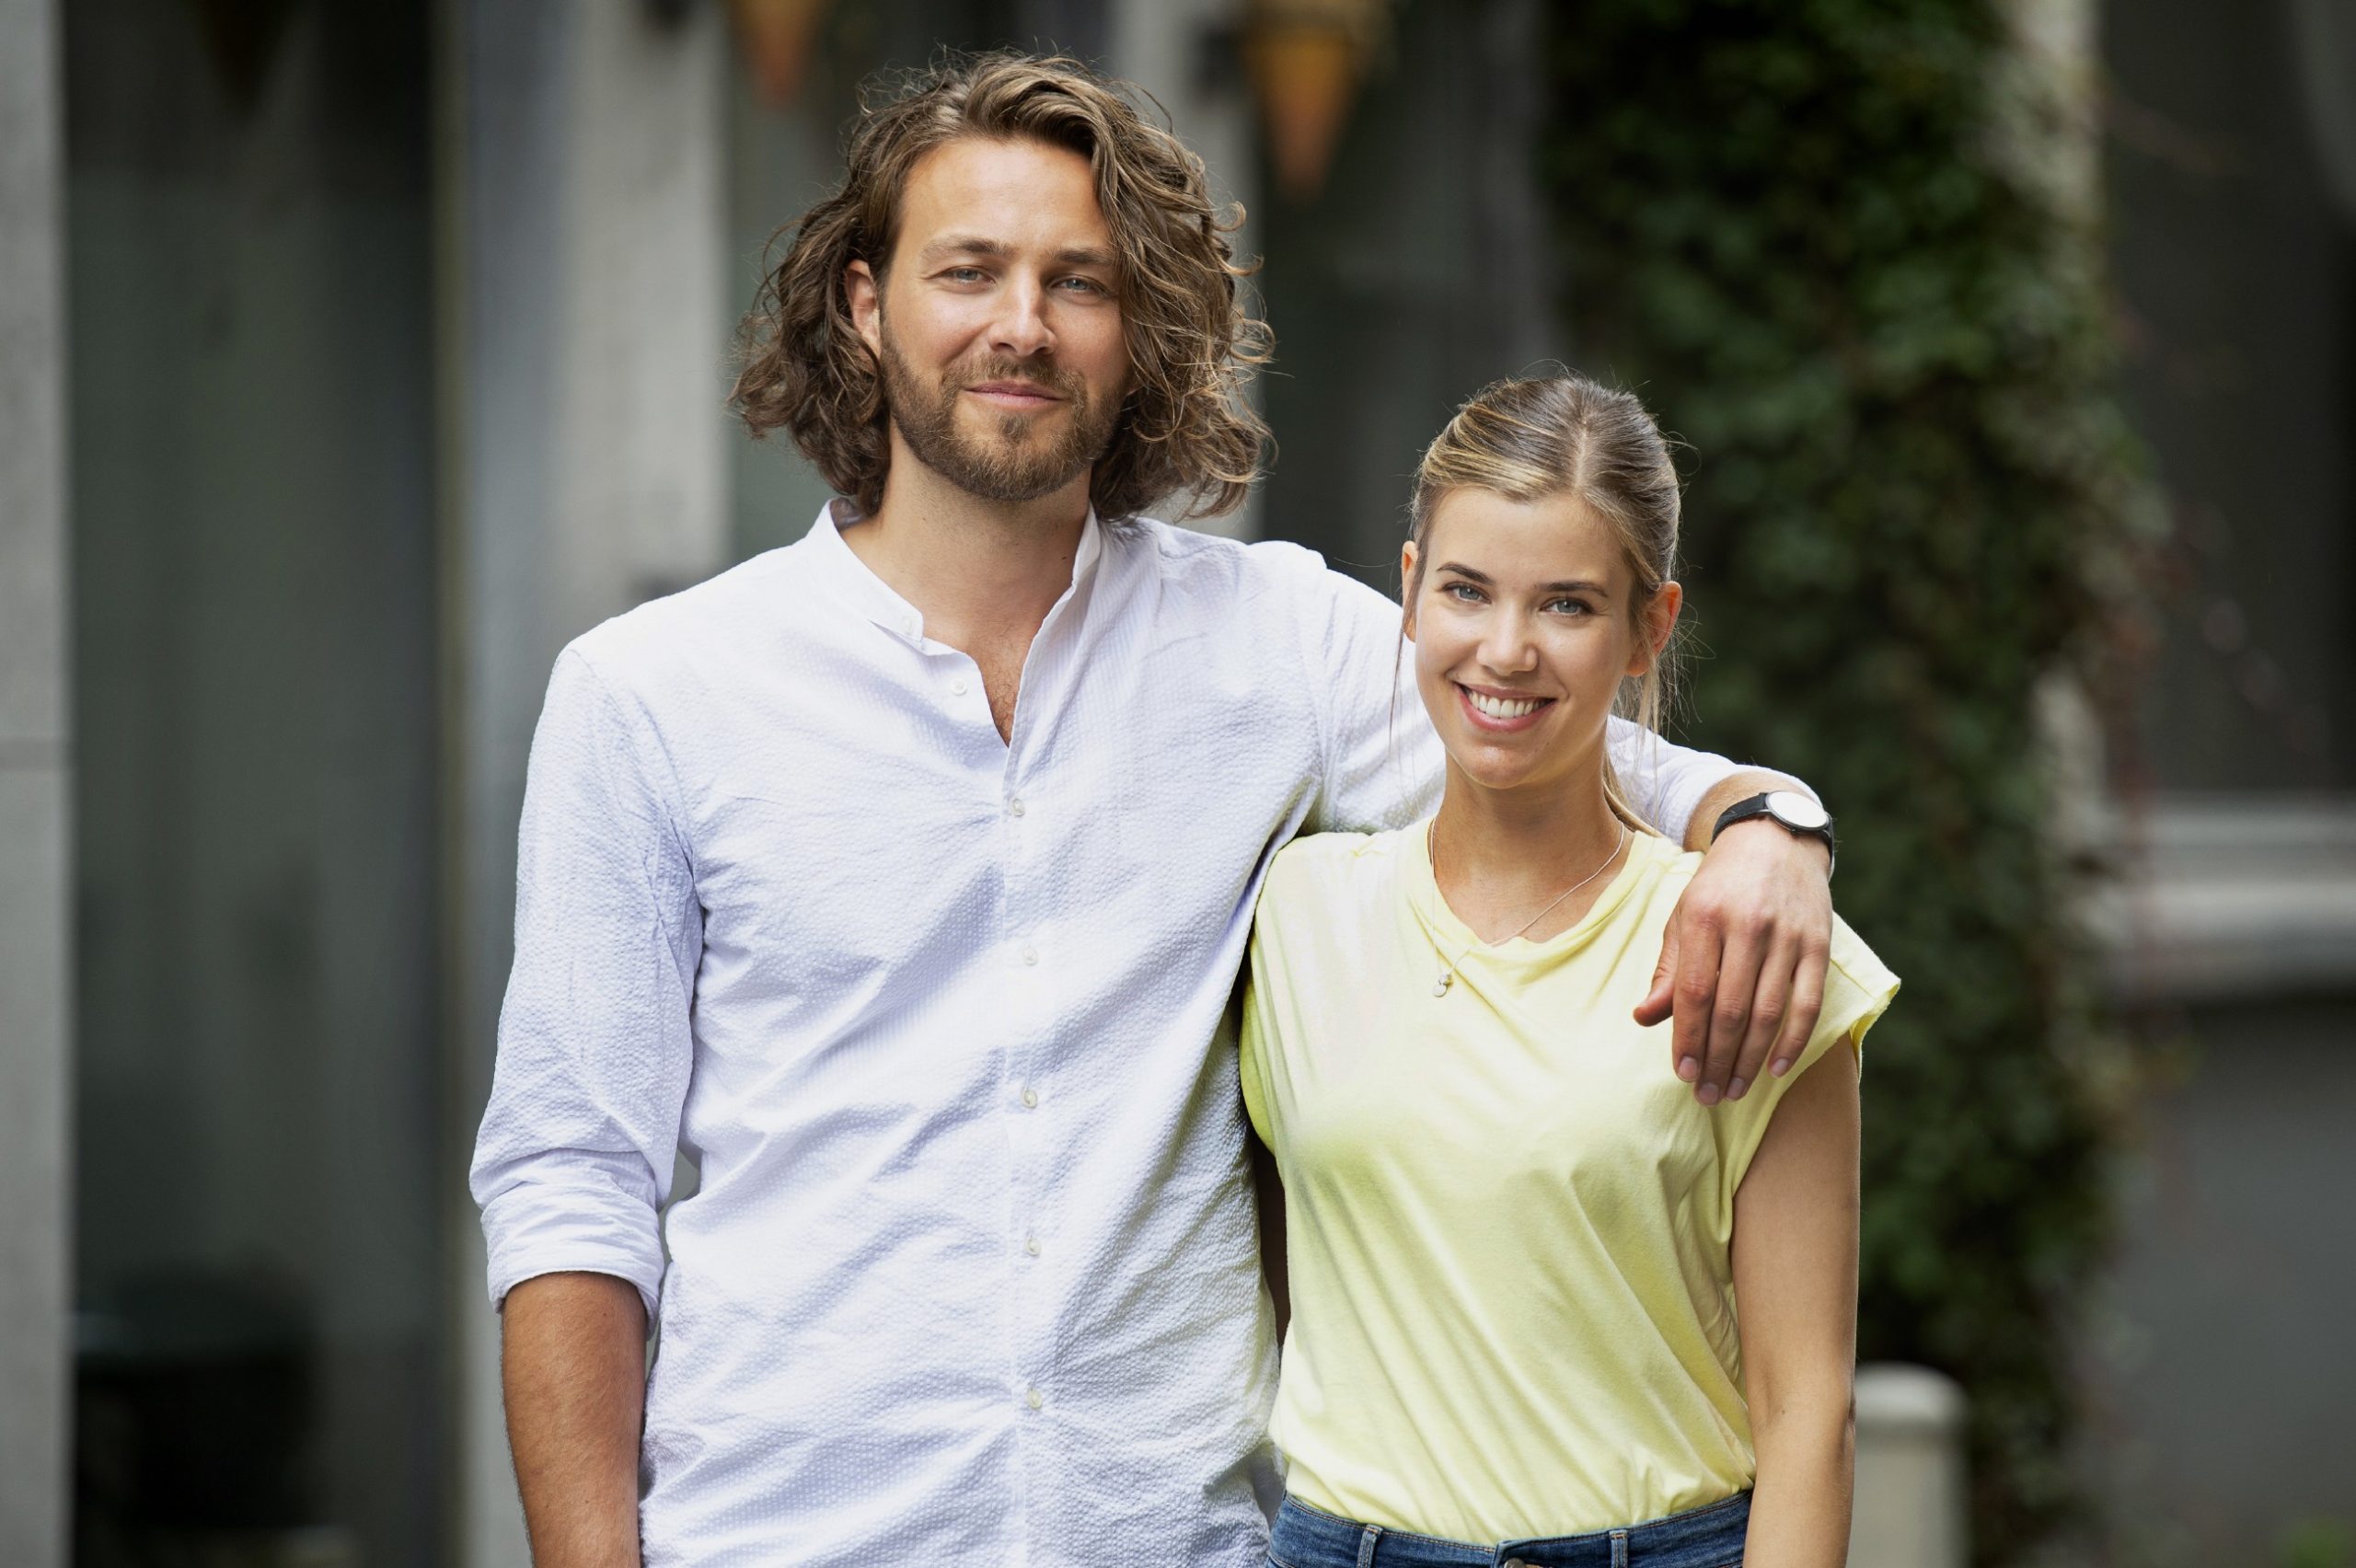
x,y
35,782
2217,1378
584,266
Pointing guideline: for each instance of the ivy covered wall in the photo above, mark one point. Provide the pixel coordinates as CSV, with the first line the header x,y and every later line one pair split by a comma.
x,y
1804,231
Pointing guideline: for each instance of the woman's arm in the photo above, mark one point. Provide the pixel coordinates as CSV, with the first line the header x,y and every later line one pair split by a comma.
x,y
1796,1286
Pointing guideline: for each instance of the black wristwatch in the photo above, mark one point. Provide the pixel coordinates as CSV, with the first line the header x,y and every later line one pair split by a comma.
x,y
1798,815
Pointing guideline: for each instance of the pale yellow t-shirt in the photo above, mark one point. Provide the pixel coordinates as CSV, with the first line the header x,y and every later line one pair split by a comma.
x,y
1507,1220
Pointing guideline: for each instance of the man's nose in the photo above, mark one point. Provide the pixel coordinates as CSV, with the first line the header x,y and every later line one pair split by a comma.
x,y
1021,327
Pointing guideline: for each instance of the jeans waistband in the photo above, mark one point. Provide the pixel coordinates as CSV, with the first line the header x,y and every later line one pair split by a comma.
x,y
1705,1538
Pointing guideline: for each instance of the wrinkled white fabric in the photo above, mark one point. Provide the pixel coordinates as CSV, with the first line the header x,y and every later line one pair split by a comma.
x,y
971,1272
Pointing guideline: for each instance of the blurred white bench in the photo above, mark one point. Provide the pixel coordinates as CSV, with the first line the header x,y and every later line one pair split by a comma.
x,y
1910,1509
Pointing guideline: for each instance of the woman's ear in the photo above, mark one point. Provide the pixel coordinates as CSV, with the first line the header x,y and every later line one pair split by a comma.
x,y
1659,624
1407,590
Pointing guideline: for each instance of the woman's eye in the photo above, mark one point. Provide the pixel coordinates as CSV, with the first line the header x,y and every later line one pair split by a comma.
x,y
1567,607
1463,592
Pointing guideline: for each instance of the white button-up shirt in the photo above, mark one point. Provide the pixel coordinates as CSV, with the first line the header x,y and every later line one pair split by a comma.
x,y
971,1274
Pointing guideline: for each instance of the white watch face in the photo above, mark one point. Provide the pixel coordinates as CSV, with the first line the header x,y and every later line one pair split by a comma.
x,y
1795,810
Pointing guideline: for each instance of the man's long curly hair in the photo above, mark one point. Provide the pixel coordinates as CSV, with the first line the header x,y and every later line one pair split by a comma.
x,y
1185,430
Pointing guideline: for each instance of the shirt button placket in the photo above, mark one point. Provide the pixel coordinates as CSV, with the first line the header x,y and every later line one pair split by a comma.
x,y
1029,1021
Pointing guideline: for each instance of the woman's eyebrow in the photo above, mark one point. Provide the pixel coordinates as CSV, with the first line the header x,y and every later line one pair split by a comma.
x,y
1570,585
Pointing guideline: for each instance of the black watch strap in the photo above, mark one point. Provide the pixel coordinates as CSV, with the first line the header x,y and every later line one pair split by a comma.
x,y
1793,811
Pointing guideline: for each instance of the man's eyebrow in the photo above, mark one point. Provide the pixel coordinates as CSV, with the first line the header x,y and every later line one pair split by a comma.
x,y
964,245
998,250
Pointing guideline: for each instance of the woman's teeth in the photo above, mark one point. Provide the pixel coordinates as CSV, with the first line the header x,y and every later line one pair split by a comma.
x,y
1502,707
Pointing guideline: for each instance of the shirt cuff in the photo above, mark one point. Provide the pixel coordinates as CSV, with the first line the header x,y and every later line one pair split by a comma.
x,y
534,1229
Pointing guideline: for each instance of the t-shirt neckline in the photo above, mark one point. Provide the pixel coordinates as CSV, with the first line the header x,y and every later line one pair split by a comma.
x,y
1646,851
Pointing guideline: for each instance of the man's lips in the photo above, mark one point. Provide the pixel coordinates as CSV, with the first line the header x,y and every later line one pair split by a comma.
x,y
1014,393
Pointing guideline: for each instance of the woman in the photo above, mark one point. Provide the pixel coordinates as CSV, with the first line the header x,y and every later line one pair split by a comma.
x,y
1516,1241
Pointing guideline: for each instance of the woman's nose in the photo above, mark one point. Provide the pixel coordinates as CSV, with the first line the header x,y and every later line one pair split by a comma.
x,y
1506,646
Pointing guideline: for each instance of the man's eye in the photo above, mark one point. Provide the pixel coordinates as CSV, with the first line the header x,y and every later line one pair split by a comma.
x,y
964,274
1084,285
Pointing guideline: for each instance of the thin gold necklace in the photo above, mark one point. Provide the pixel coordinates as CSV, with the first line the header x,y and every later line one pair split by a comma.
x,y
1431,853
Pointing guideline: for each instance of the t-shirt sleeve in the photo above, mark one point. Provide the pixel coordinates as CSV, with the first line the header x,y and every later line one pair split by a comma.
x,y
1280,962
1857,990
1258,1039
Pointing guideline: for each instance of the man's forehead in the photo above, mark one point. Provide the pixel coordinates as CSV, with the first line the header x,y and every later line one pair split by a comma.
x,y
998,196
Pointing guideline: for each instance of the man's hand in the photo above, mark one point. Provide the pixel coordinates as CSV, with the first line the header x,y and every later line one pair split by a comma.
x,y
1742,967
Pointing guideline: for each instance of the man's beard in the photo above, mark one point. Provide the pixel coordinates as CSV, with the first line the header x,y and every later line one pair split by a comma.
x,y
1019,465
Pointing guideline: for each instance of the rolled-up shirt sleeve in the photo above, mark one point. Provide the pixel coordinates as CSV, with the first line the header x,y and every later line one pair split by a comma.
x,y
575,1154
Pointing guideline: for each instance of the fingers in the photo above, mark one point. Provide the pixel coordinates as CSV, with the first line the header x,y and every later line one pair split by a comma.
x,y
1695,992
1807,1005
1658,1001
1770,1006
1729,1014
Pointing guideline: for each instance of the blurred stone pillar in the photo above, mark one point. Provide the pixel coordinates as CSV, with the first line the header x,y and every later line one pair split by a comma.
x,y
1182,52
582,172
35,778
1910,1506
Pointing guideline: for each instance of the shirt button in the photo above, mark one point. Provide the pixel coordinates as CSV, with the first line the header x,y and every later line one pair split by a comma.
x,y
1014,806
1036,1400
1031,1245
1030,1100
958,687
1030,954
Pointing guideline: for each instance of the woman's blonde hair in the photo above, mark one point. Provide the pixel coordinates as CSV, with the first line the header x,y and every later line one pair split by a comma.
x,y
1530,438
1185,427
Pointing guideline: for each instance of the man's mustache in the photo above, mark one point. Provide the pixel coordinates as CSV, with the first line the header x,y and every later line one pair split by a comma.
x,y
1062,383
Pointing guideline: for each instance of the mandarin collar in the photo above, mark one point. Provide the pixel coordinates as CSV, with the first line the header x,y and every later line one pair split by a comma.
x,y
874,598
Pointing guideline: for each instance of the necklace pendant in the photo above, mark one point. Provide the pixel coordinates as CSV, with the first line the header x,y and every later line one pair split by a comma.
x,y
1439,986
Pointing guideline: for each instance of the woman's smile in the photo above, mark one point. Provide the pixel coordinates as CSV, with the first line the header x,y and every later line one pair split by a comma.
x,y
1499,711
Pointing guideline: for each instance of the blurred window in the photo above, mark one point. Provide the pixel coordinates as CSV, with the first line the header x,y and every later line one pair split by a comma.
x,y
2232,190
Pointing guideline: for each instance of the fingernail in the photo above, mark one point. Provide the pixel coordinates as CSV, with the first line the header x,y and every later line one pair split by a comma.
x,y
1735,1089
1688,1068
1783,1064
1707,1094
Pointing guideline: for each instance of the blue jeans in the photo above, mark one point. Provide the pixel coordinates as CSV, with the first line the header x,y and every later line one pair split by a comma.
x,y
1705,1538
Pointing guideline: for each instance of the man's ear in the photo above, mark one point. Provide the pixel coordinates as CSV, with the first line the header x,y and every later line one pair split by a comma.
x,y
865,297
1407,589
1660,621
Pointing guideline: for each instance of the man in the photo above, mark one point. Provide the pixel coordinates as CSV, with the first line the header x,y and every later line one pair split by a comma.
x,y
901,878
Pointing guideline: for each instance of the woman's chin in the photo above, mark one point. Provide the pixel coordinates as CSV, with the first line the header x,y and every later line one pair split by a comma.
x,y
1483,767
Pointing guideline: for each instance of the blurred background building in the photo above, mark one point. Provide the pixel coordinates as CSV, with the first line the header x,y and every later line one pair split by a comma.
x,y
353,358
